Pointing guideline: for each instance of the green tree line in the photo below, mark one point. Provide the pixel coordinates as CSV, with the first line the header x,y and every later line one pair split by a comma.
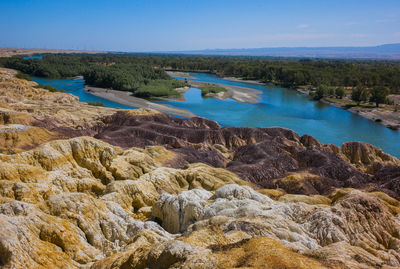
x,y
133,71
116,72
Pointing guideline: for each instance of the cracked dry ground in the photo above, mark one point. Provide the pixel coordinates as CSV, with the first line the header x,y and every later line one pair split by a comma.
x,y
92,187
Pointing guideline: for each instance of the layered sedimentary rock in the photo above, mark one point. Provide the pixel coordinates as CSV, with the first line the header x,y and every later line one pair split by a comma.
x,y
90,187
41,115
84,202
76,201
268,157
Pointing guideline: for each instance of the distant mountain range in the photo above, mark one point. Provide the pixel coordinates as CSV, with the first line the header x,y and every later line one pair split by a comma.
x,y
387,52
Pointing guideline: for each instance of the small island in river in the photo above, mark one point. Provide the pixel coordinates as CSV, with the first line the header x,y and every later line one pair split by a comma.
x,y
126,98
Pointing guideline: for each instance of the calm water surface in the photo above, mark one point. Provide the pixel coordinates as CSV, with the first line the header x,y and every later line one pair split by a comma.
x,y
290,109
33,57
75,87
278,107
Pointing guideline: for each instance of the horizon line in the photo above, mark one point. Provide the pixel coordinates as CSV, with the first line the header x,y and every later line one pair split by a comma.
x,y
191,50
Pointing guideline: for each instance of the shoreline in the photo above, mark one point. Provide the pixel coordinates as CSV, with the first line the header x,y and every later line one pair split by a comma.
x,y
250,81
389,119
179,74
237,93
186,74
124,98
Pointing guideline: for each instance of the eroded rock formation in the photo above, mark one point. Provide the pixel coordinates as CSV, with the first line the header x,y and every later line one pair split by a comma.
x,y
90,187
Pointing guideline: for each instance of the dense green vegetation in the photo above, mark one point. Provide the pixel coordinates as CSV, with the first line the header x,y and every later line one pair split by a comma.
x,y
123,77
378,95
138,73
47,87
340,92
23,76
51,66
159,88
292,72
211,89
359,94
107,71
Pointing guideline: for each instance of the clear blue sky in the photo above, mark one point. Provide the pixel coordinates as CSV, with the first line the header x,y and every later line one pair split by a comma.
x,y
162,25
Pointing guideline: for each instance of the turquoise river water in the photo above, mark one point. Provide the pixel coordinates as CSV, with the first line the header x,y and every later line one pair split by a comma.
x,y
277,107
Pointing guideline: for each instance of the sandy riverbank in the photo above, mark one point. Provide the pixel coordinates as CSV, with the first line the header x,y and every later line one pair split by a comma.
x,y
384,116
125,98
179,74
380,115
240,94
257,82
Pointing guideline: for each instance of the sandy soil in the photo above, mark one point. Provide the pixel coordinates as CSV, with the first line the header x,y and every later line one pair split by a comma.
x,y
240,94
380,115
125,98
187,75
179,74
257,82
388,118
8,52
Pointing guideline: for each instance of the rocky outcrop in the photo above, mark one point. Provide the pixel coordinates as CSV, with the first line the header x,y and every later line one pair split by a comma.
x,y
261,252
76,201
367,156
358,222
176,212
90,187
61,114
269,157
84,202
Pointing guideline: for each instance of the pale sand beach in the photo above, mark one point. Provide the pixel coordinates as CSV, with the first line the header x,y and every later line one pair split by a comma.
x,y
125,98
250,81
240,94
179,74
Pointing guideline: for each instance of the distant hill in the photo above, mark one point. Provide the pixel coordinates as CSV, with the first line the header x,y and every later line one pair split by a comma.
x,y
387,52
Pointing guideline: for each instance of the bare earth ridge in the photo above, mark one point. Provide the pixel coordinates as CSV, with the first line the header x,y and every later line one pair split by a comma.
x,y
8,52
126,98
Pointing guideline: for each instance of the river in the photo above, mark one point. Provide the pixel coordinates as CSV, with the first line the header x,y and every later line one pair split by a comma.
x,y
278,107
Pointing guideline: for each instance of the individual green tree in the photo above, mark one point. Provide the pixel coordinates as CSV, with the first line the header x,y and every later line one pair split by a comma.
x,y
320,92
331,91
340,92
359,94
365,95
379,94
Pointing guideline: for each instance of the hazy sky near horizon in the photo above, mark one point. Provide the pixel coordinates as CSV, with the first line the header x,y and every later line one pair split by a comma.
x,y
157,25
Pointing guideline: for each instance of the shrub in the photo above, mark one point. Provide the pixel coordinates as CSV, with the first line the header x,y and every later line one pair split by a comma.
x,y
98,103
321,92
359,94
21,75
331,91
340,92
379,94
159,88
47,87
211,89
